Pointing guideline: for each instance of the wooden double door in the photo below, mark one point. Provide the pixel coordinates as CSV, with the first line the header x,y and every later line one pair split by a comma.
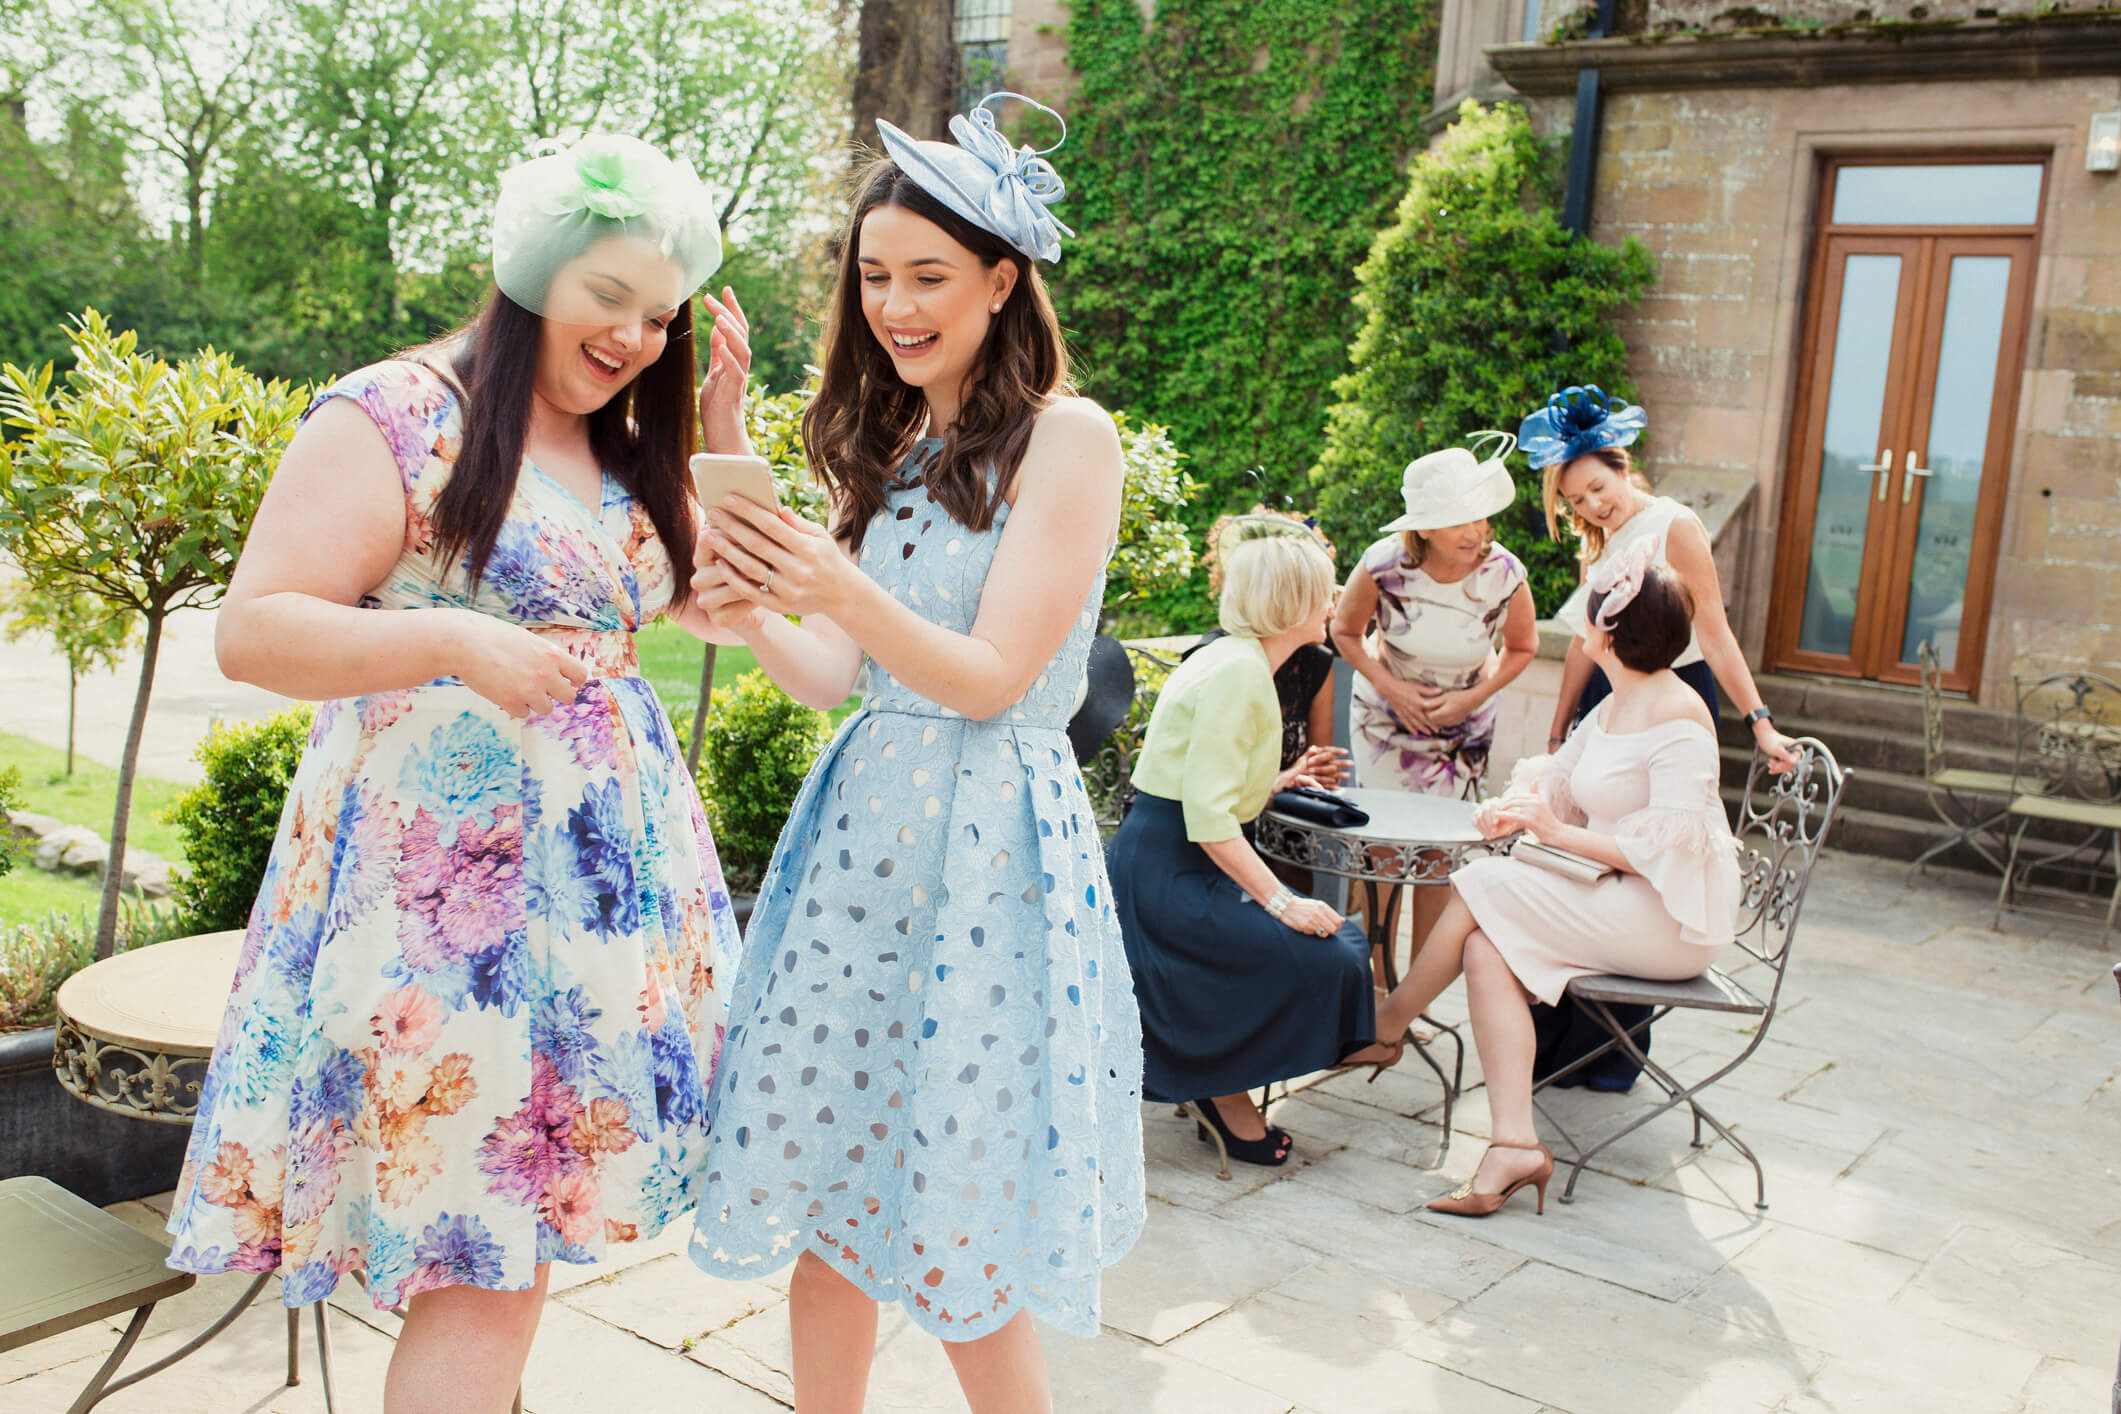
x,y
1894,502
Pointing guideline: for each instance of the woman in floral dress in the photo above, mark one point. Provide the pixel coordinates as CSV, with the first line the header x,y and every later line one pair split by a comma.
x,y
474,1016
1439,592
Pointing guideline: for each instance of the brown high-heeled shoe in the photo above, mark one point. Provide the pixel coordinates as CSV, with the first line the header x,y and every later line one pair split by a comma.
x,y
1463,1202
1377,1068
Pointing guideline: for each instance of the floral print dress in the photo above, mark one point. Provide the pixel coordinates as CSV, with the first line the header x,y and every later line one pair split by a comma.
x,y
474,1015
1441,635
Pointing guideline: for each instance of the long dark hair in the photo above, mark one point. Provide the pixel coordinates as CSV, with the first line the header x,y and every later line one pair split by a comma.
x,y
864,419
643,436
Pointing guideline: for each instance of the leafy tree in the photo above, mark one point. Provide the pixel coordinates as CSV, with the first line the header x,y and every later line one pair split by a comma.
x,y
135,481
203,70
91,636
1477,305
229,819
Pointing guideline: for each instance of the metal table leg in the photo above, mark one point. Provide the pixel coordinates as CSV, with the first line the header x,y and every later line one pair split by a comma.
x,y
1379,929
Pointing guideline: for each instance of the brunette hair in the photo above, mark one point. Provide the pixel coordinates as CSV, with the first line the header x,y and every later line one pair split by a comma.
x,y
1590,538
865,419
1416,545
642,436
1652,629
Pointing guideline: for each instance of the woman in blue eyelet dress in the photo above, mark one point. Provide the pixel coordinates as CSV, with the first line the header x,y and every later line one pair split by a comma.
x,y
930,1088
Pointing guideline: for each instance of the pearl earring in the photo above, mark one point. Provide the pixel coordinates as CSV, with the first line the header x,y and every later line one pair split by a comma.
x,y
994,309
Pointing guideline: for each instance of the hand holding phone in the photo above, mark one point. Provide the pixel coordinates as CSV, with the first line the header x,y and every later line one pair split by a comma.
x,y
717,474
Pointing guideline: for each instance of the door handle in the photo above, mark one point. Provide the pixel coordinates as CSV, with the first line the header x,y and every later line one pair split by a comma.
x,y
1907,487
1884,468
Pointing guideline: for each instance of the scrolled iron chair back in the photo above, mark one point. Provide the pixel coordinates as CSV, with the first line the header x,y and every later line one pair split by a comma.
x,y
1781,824
1109,773
2069,738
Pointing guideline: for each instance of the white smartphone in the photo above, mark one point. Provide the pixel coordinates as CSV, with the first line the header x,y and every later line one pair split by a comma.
x,y
717,474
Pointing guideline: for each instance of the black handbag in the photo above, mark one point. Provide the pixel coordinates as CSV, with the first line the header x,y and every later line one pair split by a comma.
x,y
1318,807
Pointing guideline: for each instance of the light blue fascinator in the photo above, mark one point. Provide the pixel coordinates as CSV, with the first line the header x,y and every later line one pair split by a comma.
x,y
1001,189
1575,421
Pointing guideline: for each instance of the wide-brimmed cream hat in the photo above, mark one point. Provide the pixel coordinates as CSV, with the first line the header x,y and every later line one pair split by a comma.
x,y
1455,486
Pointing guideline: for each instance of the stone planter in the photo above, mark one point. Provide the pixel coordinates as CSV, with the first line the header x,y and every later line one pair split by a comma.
x,y
742,904
103,1157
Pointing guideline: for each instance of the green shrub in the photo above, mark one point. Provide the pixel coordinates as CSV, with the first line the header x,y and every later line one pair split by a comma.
x,y
10,797
36,957
1477,305
228,820
760,744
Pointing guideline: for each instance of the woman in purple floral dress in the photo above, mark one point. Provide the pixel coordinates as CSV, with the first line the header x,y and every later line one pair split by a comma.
x,y
1439,591
474,1017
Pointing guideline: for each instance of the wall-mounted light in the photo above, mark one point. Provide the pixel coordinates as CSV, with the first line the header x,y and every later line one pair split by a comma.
x,y
2102,148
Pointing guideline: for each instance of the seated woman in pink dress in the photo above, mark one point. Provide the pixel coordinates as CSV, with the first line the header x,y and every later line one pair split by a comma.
x,y
1633,788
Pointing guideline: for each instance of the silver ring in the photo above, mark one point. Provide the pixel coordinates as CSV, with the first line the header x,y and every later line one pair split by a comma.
x,y
766,584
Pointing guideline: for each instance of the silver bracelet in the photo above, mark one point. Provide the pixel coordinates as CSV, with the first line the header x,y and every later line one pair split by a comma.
x,y
1279,904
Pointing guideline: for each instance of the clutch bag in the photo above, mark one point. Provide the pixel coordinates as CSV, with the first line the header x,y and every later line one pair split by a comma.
x,y
1319,807
1562,862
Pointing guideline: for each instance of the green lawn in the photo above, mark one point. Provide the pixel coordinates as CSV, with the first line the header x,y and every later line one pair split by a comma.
x,y
670,661
85,798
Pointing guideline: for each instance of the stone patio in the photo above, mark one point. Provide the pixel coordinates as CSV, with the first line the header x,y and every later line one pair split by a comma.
x,y
1935,1107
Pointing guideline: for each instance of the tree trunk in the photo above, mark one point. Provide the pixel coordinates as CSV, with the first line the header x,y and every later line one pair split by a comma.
x,y
114,871
195,207
905,69
73,681
699,715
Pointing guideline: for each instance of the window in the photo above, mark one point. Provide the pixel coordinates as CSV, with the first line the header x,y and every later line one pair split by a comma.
x,y
1938,194
981,29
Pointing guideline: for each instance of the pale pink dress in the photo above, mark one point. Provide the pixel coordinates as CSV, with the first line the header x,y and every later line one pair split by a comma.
x,y
1655,793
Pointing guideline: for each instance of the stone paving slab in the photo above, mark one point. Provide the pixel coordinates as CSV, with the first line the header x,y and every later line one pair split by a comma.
x,y
1934,1106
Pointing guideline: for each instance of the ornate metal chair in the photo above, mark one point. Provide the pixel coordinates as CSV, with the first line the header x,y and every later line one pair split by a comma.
x,y
1969,801
1781,825
2067,772
1108,775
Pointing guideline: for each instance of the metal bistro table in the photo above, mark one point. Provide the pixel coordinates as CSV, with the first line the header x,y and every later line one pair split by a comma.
x,y
1411,839
135,1034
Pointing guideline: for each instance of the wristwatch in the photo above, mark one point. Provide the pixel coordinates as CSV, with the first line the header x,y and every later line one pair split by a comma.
x,y
1760,714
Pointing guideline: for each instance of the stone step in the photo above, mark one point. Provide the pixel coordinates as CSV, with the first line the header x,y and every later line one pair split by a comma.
x,y
1869,747
1845,706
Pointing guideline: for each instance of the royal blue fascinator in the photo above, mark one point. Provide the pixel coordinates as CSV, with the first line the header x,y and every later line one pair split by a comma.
x,y
1000,189
1575,421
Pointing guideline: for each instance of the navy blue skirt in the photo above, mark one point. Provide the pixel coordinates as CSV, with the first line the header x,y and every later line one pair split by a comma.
x,y
1230,999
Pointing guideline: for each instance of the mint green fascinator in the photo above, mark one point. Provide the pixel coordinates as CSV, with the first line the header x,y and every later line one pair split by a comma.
x,y
607,231
1000,189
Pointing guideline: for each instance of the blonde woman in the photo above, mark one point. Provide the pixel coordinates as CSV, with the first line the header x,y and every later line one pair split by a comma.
x,y
1240,980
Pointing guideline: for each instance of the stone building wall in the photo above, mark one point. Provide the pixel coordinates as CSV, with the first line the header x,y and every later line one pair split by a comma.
x,y
1038,51
1720,184
1713,15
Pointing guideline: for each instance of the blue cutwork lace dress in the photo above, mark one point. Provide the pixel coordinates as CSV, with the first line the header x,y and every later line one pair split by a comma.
x,y
932,1075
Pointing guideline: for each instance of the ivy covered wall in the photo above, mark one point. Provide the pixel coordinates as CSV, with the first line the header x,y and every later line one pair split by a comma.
x,y
1229,164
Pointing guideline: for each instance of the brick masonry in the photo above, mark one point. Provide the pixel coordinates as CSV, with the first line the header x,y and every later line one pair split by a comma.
x,y
1720,185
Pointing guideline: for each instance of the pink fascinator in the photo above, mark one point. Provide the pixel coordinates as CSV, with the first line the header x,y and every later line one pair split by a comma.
x,y
1620,580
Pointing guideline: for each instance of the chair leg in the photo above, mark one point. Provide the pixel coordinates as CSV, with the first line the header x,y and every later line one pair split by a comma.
x,y
324,1359
1222,1150
222,1323
98,1383
2115,901
2003,889
294,1346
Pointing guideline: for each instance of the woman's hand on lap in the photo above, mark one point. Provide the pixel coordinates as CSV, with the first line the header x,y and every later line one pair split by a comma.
x,y
1529,813
1308,915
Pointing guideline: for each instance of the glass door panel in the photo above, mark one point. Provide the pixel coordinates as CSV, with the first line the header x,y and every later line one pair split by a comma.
x,y
1855,436
1954,453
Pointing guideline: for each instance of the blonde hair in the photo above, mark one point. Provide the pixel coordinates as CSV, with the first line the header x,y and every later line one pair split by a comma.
x,y
1272,584
1590,538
